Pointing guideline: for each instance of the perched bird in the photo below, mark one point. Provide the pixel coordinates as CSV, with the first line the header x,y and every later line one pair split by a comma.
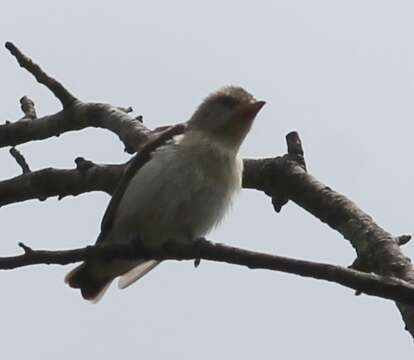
x,y
181,193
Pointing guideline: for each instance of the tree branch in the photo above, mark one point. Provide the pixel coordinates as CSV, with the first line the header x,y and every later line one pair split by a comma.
x,y
87,176
75,115
269,175
376,247
65,97
370,284
50,182
280,175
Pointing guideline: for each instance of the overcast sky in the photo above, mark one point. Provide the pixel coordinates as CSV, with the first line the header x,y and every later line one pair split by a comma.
x,y
339,72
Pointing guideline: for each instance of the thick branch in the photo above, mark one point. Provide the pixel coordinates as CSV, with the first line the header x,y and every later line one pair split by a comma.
x,y
50,182
79,116
386,287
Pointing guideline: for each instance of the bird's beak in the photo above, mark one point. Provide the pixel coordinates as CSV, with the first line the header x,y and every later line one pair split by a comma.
x,y
249,111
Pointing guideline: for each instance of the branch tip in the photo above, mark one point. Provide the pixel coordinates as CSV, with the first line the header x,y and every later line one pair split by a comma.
x,y
82,164
26,249
294,144
403,239
295,149
9,46
28,107
21,161
65,97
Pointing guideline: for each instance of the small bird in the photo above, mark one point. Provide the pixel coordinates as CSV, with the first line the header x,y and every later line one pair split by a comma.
x,y
181,193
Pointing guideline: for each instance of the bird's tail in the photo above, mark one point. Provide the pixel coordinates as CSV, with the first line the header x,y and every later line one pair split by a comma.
x,y
137,273
93,279
84,278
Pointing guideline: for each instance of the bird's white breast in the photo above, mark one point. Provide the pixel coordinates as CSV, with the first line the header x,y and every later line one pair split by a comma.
x,y
181,193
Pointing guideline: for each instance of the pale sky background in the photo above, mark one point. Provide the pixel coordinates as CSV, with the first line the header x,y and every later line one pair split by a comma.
x,y
339,72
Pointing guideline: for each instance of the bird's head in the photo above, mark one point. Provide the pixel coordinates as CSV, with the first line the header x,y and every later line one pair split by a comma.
x,y
226,116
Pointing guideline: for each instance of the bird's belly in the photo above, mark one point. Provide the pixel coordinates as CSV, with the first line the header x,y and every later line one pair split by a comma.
x,y
186,206
187,218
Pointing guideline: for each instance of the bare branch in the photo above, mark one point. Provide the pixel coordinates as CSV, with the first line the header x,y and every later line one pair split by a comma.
x,y
76,115
20,160
340,213
65,97
370,284
378,248
86,177
79,116
50,182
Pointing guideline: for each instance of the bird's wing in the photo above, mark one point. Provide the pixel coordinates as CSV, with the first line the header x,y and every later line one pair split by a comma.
x,y
134,165
108,217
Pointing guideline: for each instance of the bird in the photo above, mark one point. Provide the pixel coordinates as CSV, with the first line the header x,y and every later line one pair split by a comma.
x,y
181,193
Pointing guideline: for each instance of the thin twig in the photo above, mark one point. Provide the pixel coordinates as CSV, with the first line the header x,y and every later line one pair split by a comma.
x,y
28,108
65,97
20,160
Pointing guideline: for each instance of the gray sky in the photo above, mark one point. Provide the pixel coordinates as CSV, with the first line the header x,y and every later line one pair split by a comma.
x,y
341,73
